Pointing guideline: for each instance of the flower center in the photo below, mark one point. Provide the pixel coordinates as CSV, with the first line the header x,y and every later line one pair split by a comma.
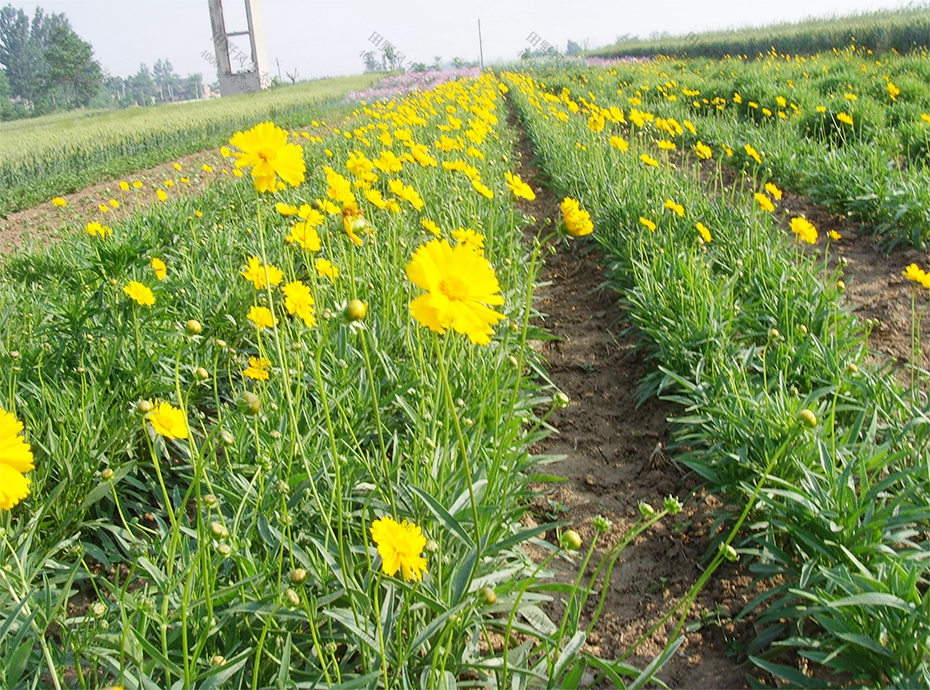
x,y
454,288
267,154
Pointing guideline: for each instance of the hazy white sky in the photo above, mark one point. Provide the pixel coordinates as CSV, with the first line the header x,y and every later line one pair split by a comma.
x,y
325,38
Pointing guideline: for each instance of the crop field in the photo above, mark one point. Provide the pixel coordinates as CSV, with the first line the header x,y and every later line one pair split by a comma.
x,y
289,431
64,152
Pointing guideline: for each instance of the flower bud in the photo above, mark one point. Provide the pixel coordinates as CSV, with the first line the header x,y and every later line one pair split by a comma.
x,y
807,418
249,404
201,374
210,500
570,540
356,310
145,406
602,524
646,510
292,599
489,595
298,576
220,343
672,505
106,474
193,327
218,660
729,553
224,549
227,438
218,530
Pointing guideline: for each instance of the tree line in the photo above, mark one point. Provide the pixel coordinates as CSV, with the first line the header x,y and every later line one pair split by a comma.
x,y
46,66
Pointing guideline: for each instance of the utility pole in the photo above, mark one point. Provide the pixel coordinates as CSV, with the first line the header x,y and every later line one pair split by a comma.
x,y
480,45
278,60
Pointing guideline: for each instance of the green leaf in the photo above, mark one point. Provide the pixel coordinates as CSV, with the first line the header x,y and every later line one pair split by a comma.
x,y
444,517
569,653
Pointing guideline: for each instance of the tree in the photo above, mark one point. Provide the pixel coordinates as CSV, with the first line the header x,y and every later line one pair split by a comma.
x,y
572,48
167,81
371,61
70,65
142,86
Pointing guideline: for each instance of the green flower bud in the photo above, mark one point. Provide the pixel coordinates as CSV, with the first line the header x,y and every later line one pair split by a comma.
x,y
570,540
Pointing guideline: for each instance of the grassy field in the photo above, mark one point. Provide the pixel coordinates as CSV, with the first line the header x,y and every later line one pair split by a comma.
x,y
65,152
902,30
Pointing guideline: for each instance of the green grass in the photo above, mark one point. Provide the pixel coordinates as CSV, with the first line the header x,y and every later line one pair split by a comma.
x,y
901,30
65,152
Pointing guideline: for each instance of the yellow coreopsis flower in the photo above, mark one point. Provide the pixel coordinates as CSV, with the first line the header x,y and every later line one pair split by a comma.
x,y
916,274
15,460
676,208
431,227
267,151
648,160
326,269
469,238
304,236
161,270
648,224
804,229
257,369
461,289
619,143
299,301
261,276
519,188
704,232
123,186
262,318
400,545
139,293
407,193
285,209
764,202
703,151
340,189
773,189
893,91
59,202
752,153
482,189
168,421
667,145
834,235
845,118
577,220
161,194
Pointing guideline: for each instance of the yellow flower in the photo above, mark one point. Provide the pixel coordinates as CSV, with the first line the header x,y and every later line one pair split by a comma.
x,y
340,189
804,229
262,318
159,267
845,118
139,293
103,208
326,269
257,369
311,216
137,184
519,188
407,193
114,203
177,166
648,223
577,220
850,96
703,151
925,117
169,183
298,301
834,235
285,209
648,160
15,460
261,276
431,227
95,229
400,545
168,421
304,236
918,275
266,150
677,208
821,108
705,233
123,186
752,153
481,189
59,201
893,91
161,194
667,145
469,238
765,202
353,221
772,189
619,143
461,286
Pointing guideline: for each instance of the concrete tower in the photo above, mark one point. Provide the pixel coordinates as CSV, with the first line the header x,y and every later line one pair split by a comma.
x,y
238,72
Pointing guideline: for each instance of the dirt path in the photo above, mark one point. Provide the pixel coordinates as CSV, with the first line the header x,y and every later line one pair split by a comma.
x,y
613,461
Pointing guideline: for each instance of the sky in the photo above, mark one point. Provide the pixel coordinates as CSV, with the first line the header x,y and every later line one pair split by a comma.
x,y
325,39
